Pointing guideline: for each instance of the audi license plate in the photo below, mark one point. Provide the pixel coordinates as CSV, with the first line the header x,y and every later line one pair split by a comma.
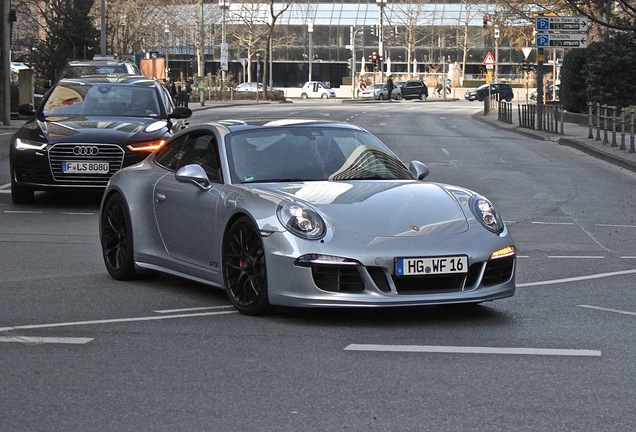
x,y
431,266
78,167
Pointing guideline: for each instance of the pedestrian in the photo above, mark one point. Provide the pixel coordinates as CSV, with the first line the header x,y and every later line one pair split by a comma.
x,y
180,90
186,95
389,87
172,89
438,89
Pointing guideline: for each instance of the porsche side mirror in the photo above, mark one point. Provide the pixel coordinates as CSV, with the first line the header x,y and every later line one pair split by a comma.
x,y
195,175
419,169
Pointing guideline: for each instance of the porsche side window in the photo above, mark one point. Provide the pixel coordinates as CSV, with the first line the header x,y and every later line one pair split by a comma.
x,y
195,148
170,156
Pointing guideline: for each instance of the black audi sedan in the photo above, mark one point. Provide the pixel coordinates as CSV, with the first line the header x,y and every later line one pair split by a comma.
x,y
88,128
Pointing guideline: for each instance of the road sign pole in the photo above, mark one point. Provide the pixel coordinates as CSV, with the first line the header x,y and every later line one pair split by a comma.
x,y
540,59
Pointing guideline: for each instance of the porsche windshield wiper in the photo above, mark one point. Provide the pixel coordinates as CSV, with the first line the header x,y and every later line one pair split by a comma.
x,y
279,180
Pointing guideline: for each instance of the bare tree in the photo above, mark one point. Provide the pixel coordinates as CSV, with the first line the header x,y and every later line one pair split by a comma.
x,y
249,29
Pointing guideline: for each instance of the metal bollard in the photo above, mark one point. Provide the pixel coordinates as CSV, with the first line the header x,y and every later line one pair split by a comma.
x,y
598,121
590,121
622,128
631,135
613,108
605,140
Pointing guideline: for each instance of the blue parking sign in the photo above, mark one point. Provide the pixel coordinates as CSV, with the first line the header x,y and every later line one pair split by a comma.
x,y
542,24
543,40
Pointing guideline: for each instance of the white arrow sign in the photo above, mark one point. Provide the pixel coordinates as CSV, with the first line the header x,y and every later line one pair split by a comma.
x,y
561,40
562,24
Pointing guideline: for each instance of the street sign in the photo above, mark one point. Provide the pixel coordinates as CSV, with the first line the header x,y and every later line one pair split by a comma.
x,y
526,51
561,24
489,59
561,40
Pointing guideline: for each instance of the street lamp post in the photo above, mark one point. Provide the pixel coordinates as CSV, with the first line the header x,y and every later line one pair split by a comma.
x,y
381,4
102,42
354,32
224,5
166,30
496,34
310,30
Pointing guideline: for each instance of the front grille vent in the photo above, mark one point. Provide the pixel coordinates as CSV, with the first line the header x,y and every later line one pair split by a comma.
x,y
110,153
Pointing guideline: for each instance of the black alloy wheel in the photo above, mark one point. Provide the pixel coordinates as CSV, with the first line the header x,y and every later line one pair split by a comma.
x,y
244,270
116,239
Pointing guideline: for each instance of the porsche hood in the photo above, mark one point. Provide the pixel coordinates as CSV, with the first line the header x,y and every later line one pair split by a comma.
x,y
382,208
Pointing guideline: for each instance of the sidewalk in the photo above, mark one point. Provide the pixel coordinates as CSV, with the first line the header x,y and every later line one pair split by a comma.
x,y
574,135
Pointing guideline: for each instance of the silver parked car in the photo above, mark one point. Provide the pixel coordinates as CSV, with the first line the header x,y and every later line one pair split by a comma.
x,y
380,92
303,213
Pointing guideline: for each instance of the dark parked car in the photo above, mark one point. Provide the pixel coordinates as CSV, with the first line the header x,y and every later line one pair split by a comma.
x,y
413,89
88,128
501,91
80,68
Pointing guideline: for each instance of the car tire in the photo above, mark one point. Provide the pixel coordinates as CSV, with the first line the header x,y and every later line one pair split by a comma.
x,y
380,96
324,96
244,269
399,96
481,97
21,194
303,96
116,239
508,98
422,96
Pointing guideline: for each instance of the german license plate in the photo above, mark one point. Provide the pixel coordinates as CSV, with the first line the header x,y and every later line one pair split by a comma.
x,y
78,167
431,265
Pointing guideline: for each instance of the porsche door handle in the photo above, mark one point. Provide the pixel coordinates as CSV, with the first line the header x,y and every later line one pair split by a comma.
x,y
160,197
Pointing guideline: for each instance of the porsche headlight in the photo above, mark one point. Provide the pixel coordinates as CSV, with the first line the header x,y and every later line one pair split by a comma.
x,y
486,214
301,220
22,144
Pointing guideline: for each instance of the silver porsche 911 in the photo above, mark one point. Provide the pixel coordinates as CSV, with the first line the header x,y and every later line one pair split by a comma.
x,y
303,213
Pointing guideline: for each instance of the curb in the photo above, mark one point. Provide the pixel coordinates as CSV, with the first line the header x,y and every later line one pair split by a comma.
x,y
570,142
607,157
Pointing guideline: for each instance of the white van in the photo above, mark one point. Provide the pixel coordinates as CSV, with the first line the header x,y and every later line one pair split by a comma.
x,y
317,89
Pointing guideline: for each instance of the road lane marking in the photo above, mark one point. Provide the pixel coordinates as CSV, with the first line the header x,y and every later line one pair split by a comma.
x,y
473,350
577,279
616,226
618,311
552,223
577,256
193,309
113,321
22,212
34,340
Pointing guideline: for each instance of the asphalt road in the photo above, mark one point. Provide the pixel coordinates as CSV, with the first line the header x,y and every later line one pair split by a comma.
x,y
82,352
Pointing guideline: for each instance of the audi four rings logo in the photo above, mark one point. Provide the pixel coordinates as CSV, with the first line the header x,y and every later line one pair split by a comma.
x,y
85,150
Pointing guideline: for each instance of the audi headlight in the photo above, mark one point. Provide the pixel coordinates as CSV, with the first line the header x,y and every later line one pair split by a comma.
x,y
301,220
22,144
148,146
486,214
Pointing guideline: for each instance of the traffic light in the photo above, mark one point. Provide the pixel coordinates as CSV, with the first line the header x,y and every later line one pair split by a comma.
x,y
524,65
485,21
374,59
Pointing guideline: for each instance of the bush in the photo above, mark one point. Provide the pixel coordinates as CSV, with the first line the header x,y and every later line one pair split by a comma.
x,y
604,73
572,90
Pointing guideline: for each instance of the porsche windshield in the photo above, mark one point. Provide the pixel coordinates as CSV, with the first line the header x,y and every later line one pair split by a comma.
x,y
311,153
